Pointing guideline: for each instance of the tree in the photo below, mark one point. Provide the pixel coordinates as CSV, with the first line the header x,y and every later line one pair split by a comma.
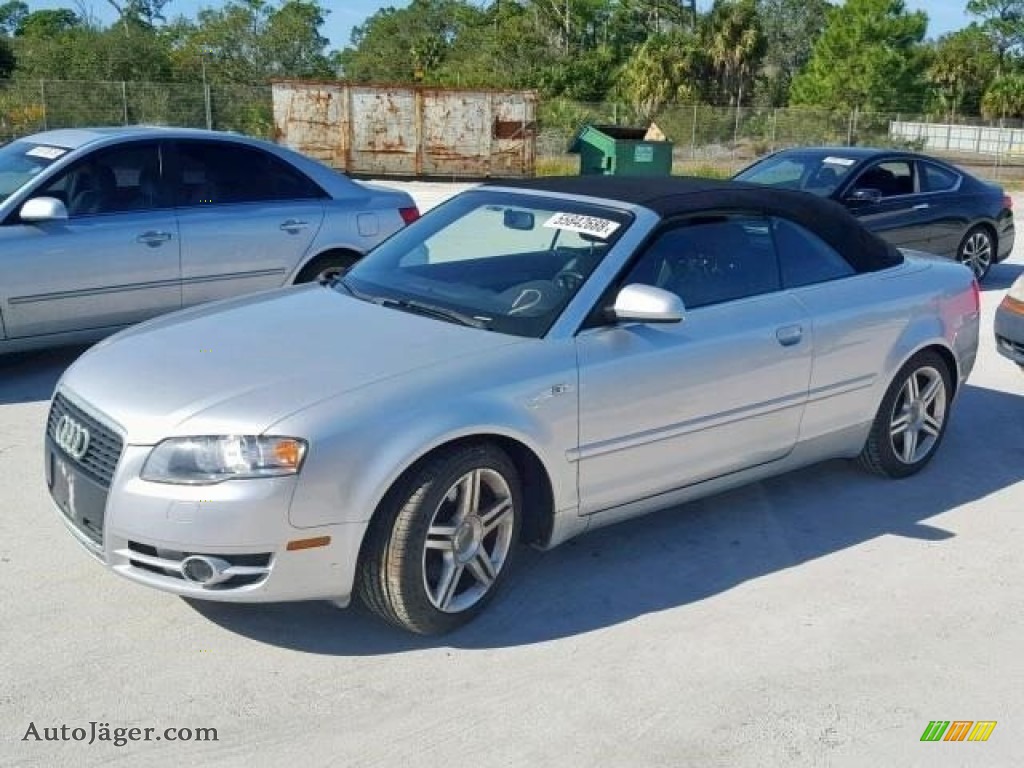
x,y
869,56
12,16
790,28
735,45
48,24
1004,98
7,60
661,70
145,12
962,67
1003,21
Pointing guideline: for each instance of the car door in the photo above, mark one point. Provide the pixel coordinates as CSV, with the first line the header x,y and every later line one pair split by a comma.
x,y
948,210
112,262
851,345
665,406
247,218
900,214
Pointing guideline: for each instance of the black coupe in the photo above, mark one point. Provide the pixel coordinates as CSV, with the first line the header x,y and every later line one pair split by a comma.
x,y
912,200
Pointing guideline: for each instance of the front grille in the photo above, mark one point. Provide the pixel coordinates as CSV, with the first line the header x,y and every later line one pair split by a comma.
x,y
104,451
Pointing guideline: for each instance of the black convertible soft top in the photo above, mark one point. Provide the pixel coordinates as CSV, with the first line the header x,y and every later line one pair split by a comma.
x,y
672,196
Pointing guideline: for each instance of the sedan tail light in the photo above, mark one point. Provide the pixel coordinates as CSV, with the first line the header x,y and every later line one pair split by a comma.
x,y
409,215
976,292
1008,202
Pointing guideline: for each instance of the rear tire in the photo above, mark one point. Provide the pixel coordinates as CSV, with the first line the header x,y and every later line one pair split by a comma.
x,y
977,251
442,540
912,418
327,267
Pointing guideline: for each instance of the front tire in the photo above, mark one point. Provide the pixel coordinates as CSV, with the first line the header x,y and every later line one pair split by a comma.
x,y
912,418
977,251
442,540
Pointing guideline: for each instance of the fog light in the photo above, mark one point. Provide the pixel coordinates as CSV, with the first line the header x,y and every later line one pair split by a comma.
x,y
204,571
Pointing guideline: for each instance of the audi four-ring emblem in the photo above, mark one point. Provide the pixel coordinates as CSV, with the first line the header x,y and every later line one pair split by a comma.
x,y
72,437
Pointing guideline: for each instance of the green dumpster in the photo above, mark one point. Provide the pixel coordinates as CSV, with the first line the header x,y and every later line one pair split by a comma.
x,y
615,150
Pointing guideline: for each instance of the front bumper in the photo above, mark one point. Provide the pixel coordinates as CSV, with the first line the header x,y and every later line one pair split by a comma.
x,y
147,529
1009,329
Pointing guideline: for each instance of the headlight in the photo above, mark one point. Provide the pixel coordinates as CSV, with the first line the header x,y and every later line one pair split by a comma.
x,y
1017,289
214,459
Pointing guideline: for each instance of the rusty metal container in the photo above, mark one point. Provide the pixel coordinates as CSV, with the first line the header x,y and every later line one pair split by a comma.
x,y
408,130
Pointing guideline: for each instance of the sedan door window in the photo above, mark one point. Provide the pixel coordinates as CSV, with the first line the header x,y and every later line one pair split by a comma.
x,y
711,260
126,178
223,173
935,178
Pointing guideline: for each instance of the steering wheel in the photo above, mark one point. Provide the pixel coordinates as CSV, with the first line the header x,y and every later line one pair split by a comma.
x,y
568,279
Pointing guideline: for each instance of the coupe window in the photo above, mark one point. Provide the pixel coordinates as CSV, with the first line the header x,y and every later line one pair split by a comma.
x,y
807,171
506,262
22,161
711,260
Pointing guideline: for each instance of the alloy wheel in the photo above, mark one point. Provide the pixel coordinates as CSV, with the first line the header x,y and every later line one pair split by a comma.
x,y
976,253
468,540
918,415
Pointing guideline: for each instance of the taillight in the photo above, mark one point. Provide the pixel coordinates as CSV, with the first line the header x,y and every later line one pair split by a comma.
x,y
1008,202
409,215
976,292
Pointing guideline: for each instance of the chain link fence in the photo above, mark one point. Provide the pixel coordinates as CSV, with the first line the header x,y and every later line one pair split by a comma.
x,y
29,106
708,140
718,141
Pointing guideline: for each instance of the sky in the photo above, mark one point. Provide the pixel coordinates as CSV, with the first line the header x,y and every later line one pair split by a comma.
x,y
944,15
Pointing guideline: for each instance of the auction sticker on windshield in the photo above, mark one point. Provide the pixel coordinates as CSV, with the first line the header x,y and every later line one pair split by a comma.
x,y
843,161
46,153
587,225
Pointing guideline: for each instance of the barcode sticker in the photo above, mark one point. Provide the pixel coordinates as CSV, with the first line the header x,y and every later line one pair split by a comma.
x,y
47,153
587,225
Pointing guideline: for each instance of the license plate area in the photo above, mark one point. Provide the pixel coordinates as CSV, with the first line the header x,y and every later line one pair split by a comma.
x,y
81,499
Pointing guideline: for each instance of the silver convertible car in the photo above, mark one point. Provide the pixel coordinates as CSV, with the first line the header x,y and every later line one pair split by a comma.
x,y
529,360
105,227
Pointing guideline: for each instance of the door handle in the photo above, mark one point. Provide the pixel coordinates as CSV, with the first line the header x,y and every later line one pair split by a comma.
x,y
293,225
153,238
922,207
788,335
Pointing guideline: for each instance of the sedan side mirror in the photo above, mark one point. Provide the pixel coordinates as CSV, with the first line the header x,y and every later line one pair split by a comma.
x,y
40,209
865,196
646,304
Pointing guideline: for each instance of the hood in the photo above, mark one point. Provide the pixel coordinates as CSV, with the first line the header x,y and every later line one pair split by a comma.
x,y
236,367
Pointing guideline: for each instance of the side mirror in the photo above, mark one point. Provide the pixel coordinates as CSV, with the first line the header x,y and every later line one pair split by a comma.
x,y
646,304
43,209
522,220
865,196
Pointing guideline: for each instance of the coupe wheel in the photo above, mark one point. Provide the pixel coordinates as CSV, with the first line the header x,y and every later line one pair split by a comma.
x,y
977,251
442,540
912,418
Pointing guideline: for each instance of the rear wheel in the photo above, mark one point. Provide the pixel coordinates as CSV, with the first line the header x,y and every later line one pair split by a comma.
x,y
977,250
442,540
327,267
911,420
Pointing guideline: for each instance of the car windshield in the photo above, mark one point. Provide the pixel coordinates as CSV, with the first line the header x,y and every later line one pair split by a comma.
x,y
21,161
817,173
497,260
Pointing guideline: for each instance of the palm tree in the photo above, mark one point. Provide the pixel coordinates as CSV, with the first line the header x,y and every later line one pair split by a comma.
x,y
735,44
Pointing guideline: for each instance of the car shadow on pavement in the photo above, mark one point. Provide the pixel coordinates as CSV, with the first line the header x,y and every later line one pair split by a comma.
x,y
674,558
1001,276
27,377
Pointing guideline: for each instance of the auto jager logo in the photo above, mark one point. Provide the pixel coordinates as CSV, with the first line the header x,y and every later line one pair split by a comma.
x,y
72,437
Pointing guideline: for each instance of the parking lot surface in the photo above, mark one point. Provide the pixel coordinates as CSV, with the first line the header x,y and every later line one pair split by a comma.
x,y
823,618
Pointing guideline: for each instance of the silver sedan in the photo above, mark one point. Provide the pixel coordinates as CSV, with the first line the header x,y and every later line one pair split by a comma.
x,y
105,227
524,363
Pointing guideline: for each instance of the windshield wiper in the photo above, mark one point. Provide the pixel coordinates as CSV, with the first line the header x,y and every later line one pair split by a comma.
x,y
432,310
411,305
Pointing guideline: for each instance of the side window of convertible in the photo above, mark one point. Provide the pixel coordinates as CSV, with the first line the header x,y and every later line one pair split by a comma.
x,y
711,260
806,258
